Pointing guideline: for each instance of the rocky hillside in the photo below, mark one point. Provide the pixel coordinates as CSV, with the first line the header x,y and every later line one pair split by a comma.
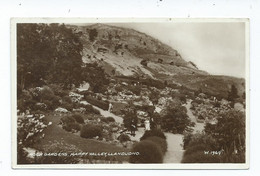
x,y
126,52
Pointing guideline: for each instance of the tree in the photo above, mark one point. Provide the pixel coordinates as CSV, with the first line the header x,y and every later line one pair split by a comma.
x,y
232,94
130,117
229,132
47,53
154,96
95,76
176,120
92,34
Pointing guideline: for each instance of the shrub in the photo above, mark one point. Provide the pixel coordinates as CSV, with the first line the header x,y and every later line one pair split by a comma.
x,y
151,133
149,152
78,118
90,131
216,104
119,88
67,119
190,139
196,148
46,93
55,102
67,99
124,138
135,89
74,126
104,120
200,157
68,106
101,104
198,101
59,147
161,143
110,119
90,109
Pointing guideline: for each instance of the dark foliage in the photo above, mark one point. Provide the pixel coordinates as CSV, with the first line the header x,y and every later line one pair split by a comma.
x,y
232,94
200,157
144,62
110,119
96,77
229,133
78,118
71,126
130,117
160,142
176,119
99,103
67,119
151,133
47,53
124,138
90,131
149,152
92,33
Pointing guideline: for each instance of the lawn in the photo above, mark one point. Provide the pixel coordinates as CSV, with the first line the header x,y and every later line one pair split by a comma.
x,y
55,133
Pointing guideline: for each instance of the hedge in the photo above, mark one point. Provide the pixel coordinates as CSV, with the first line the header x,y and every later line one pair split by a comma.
x,y
99,103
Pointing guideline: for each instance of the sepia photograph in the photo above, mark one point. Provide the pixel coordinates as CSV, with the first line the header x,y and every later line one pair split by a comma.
x,y
130,93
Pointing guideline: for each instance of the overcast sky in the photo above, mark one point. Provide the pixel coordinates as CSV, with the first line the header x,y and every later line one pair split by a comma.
x,y
218,48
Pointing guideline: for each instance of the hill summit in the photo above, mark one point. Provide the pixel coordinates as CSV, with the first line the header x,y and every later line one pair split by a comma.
x,y
127,52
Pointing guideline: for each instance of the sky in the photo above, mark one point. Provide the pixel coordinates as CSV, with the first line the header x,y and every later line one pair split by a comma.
x,y
218,48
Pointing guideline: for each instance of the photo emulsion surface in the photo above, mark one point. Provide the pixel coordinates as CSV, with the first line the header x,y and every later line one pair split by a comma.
x,y
99,93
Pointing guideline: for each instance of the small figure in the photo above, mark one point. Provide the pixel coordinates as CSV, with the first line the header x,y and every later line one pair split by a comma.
x,y
110,107
147,124
132,128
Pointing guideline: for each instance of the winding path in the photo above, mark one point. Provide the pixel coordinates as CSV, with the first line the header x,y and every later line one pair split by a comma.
x,y
105,113
198,126
175,152
175,141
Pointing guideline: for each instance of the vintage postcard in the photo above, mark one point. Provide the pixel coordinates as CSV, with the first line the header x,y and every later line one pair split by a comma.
x,y
130,93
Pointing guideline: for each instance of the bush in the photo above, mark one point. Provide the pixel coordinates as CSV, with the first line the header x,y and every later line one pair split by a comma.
x,y
200,157
68,106
124,138
196,148
90,109
90,131
67,119
67,99
110,119
190,140
75,126
151,133
161,143
78,118
149,152
101,104
58,147
135,89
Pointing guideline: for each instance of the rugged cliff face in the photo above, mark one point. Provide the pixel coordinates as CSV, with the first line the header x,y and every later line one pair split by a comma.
x,y
124,51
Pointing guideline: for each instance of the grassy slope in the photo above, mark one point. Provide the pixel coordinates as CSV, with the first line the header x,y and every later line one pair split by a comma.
x,y
55,133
